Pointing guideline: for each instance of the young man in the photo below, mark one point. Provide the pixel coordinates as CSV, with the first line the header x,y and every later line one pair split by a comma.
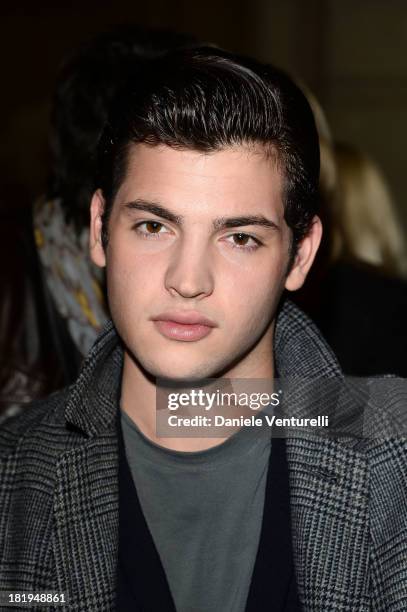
x,y
205,214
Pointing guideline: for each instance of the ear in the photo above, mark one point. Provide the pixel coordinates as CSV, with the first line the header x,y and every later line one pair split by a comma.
x,y
305,256
97,252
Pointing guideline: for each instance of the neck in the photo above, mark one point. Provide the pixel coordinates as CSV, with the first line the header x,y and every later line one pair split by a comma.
x,y
138,401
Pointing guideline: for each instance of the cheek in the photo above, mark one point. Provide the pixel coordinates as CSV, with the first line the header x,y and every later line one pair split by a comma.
x,y
130,279
251,296
249,310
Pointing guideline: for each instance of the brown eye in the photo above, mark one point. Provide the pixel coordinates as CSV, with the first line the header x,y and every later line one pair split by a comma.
x,y
243,242
153,227
241,239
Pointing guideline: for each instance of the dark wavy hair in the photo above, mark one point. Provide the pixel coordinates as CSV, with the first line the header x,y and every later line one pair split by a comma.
x,y
207,99
87,84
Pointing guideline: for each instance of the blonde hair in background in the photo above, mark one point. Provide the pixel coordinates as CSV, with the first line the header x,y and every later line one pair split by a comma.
x,y
358,214
328,174
364,221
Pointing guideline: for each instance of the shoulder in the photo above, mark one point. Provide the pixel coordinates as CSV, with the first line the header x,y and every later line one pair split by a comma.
x,y
40,423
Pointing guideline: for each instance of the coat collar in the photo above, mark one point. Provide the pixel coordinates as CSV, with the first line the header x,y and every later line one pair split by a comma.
x,y
92,403
299,348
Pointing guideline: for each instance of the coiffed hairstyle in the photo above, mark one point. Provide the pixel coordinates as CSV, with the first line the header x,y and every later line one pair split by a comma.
x,y
207,99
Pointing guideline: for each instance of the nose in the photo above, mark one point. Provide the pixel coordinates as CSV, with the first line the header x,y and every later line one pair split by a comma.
x,y
189,273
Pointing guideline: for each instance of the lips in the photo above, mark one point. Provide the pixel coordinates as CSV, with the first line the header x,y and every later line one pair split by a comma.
x,y
187,326
186,317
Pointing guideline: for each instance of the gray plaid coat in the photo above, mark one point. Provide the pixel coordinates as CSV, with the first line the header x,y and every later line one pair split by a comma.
x,y
59,493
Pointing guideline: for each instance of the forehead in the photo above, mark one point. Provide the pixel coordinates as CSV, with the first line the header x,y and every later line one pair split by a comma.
x,y
233,179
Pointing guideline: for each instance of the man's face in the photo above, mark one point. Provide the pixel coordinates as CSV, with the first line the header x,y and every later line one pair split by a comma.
x,y
196,235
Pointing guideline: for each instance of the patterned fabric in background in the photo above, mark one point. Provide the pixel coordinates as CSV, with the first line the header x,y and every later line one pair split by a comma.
x,y
74,282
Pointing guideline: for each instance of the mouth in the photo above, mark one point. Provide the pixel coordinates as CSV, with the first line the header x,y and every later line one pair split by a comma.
x,y
188,326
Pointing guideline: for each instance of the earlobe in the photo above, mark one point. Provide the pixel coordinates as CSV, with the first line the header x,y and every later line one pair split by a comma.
x,y
97,252
307,249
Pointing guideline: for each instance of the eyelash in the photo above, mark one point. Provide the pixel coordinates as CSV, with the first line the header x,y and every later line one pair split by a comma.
x,y
155,236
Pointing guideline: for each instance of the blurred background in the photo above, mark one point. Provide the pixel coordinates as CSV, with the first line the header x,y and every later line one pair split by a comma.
x,y
353,55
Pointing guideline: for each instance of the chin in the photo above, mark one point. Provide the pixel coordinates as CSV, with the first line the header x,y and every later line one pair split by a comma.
x,y
181,372
184,374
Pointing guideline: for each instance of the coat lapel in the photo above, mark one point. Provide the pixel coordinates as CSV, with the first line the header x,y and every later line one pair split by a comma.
x,y
330,522
86,524
86,498
328,477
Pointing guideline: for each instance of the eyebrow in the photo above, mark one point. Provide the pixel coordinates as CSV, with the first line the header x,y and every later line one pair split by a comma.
x,y
219,223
